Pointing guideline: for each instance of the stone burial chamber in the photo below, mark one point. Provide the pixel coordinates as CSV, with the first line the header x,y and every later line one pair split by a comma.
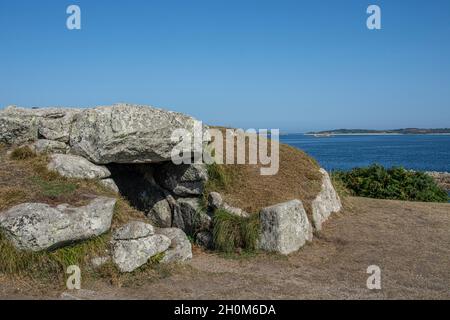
x,y
127,149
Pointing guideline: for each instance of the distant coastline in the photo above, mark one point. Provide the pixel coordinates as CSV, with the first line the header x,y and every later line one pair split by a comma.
x,y
439,131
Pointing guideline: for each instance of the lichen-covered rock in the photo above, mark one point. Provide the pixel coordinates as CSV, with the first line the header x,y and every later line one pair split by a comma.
x,y
234,210
183,180
71,166
326,202
21,125
135,243
180,249
215,200
284,227
134,230
110,184
160,210
38,226
186,214
128,133
56,124
43,146
205,239
16,127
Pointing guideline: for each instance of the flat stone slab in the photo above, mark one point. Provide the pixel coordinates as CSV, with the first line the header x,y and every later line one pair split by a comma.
x,y
38,226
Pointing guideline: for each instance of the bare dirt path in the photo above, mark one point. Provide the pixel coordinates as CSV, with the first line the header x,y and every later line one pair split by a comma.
x,y
409,241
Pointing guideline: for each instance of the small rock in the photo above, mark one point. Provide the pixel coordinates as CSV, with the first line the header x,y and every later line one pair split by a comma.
x,y
43,146
235,211
215,200
134,230
284,227
326,202
71,166
180,249
205,239
159,208
204,221
110,184
186,214
183,180
131,254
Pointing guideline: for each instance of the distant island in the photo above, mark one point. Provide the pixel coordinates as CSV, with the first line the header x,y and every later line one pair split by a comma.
x,y
366,131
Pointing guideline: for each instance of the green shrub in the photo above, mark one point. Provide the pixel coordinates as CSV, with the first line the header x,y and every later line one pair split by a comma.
x,y
395,183
232,232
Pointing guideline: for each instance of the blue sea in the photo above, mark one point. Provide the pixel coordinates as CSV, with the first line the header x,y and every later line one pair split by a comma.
x,y
417,152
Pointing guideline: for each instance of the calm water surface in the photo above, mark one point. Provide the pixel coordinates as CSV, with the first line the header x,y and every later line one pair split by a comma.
x,y
417,152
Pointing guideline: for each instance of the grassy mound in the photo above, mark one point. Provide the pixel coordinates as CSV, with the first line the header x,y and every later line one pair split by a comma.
x,y
394,183
243,186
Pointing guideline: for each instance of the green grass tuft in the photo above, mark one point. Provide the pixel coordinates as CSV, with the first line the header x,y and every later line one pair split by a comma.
x,y
232,232
48,265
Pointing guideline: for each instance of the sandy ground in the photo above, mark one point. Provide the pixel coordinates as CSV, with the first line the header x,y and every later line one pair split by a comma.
x,y
409,241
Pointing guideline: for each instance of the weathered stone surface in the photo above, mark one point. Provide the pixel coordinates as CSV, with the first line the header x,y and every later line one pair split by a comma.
x,y
20,125
326,202
180,249
55,124
43,146
186,214
134,230
284,227
38,226
16,127
235,211
215,200
205,239
71,166
133,245
110,184
160,210
204,221
183,180
127,133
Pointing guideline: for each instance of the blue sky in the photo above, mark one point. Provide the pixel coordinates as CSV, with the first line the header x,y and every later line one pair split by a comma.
x,y
294,65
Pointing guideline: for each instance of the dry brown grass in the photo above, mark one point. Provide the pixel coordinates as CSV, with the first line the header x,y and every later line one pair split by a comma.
x,y
298,178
